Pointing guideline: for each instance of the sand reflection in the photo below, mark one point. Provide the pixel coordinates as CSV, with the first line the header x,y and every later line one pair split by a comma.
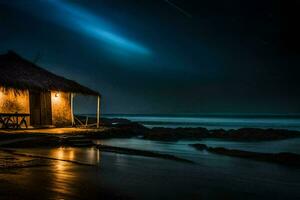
x,y
63,153
83,155
62,175
65,174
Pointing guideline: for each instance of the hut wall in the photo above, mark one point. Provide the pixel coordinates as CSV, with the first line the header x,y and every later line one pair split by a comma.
x,y
61,108
12,101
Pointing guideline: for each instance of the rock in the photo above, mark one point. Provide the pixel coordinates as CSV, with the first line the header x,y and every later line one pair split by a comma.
x,y
260,134
290,159
176,134
125,128
120,131
245,134
199,146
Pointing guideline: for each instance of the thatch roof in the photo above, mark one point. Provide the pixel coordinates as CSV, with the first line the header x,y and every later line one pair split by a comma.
x,y
19,73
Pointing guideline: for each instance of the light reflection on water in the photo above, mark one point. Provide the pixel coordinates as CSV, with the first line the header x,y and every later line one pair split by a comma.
x,y
63,153
61,175
62,179
84,155
213,176
58,180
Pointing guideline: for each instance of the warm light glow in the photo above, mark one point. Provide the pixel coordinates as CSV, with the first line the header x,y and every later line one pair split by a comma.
x,y
63,153
61,173
61,108
56,98
12,102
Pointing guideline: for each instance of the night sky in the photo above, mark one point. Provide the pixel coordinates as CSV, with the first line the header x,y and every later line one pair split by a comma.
x,y
158,56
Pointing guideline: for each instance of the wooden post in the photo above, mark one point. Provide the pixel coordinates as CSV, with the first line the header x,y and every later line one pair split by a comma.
x,y
86,121
98,111
72,109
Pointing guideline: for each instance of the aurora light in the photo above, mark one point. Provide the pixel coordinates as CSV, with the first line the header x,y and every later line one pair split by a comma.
x,y
85,22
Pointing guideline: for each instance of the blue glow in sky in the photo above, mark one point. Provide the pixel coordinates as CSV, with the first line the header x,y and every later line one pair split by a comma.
x,y
115,40
85,22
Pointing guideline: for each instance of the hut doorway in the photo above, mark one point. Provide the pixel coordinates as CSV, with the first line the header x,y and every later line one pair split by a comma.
x,y
40,108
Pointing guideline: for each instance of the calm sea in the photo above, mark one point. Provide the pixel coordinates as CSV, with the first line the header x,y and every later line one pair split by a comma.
x,y
216,121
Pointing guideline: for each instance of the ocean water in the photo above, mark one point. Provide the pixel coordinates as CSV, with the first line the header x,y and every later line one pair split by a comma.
x,y
215,121
211,177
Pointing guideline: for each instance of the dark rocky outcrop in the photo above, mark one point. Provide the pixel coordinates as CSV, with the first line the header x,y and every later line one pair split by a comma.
x,y
246,134
284,158
176,133
254,134
173,134
119,127
131,129
200,146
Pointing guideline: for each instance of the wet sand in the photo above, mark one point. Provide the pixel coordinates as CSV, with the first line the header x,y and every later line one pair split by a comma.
x,y
54,180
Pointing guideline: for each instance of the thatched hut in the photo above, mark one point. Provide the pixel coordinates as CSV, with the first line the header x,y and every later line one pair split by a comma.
x,y
27,88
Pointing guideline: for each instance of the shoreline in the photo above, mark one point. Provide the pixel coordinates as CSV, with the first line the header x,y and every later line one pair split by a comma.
x,y
122,128
126,128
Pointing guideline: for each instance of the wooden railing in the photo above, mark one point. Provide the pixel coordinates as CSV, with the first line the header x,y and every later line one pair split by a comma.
x,y
83,123
13,120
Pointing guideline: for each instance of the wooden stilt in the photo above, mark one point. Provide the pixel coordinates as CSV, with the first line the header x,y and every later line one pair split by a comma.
x,y
72,109
98,111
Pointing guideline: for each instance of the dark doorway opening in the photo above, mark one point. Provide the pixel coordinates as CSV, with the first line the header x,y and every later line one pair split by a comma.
x,y
40,108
